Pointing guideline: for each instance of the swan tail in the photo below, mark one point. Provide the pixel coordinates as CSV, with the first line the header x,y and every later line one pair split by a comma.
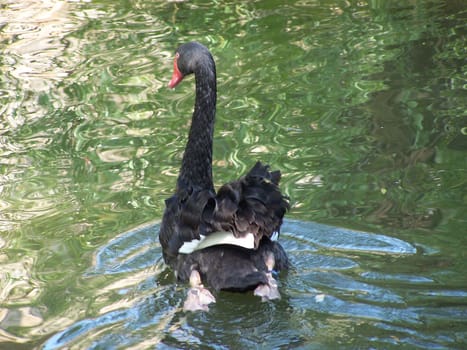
x,y
237,282
226,267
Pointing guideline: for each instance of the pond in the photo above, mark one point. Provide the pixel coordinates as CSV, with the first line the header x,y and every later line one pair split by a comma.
x,y
360,104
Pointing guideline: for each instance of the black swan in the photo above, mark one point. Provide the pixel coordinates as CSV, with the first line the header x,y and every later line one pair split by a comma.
x,y
227,239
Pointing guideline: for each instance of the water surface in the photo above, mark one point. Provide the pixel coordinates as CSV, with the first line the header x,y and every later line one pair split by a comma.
x,y
361,105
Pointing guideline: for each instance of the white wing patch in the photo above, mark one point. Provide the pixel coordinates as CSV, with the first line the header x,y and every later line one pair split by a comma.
x,y
218,238
275,236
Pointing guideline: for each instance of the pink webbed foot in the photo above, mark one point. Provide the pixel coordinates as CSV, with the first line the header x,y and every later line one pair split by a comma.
x,y
268,291
198,297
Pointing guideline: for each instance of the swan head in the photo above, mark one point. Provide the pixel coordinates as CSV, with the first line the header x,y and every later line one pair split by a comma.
x,y
190,58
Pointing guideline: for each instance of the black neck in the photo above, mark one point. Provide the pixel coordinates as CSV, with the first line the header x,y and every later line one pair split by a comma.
x,y
196,170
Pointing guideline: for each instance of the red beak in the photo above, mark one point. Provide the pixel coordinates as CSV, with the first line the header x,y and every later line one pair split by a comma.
x,y
177,76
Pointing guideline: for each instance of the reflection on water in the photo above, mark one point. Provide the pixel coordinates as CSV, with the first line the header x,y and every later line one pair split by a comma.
x,y
360,104
326,282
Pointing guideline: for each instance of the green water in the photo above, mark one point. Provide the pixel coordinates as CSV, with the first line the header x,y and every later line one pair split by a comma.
x,y
361,105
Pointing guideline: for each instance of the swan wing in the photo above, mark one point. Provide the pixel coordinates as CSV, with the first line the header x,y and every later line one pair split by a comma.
x,y
218,238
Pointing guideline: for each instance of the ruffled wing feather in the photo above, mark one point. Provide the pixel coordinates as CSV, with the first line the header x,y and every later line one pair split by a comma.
x,y
253,204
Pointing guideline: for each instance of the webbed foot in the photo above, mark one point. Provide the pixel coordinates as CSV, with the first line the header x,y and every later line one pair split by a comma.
x,y
198,297
268,291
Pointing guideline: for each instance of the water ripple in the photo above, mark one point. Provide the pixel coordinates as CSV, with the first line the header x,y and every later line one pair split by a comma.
x,y
344,239
332,305
316,284
131,251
